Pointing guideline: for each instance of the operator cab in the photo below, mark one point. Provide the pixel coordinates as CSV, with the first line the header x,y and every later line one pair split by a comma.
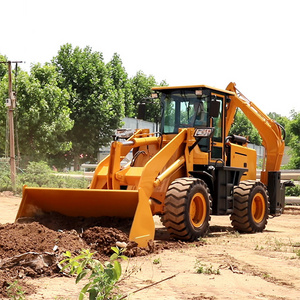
x,y
198,107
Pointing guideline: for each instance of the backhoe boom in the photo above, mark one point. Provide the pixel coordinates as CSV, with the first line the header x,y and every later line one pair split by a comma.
x,y
269,130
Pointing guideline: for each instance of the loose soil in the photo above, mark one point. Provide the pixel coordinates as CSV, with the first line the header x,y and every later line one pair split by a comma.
x,y
251,266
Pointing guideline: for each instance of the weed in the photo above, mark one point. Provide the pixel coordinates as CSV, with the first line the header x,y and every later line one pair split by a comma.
x,y
102,277
14,291
201,239
156,261
259,247
298,253
266,275
204,269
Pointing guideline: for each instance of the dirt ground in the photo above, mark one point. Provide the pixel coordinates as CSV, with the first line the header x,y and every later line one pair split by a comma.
x,y
251,266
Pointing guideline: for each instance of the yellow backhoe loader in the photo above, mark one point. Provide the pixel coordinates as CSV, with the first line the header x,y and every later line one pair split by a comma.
x,y
188,171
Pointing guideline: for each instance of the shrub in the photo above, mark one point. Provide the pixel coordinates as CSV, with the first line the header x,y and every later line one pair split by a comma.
x,y
102,277
293,191
38,174
5,180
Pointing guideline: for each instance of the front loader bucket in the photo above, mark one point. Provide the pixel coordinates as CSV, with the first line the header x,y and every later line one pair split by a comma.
x,y
78,202
92,203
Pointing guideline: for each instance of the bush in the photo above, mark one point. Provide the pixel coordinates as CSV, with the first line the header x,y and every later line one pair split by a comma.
x,y
293,191
5,180
38,174
102,278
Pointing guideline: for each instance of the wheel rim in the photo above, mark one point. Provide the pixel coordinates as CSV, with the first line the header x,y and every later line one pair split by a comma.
x,y
258,207
198,210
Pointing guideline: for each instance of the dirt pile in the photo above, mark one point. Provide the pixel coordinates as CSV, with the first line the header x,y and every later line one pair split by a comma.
x,y
33,248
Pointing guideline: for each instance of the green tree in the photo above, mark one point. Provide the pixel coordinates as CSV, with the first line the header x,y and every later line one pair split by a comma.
x,y
284,122
3,108
120,80
242,126
141,85
94,103
3,113
42,115
294,129
3,67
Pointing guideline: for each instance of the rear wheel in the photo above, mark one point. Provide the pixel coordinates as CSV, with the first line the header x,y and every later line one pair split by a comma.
x,y
187,208
251,207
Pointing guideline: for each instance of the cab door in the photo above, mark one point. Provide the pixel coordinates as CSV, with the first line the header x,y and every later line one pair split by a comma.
x,y
217,140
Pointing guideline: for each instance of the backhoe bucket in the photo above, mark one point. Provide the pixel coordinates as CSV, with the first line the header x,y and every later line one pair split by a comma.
x,y
92,203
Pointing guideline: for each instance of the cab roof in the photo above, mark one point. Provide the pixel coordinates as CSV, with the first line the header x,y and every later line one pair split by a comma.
x,y
201,86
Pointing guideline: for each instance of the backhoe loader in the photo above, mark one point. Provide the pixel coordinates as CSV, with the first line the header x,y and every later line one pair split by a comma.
x,y
192,169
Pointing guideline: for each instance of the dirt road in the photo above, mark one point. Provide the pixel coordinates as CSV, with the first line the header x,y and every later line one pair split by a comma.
x,y
251,266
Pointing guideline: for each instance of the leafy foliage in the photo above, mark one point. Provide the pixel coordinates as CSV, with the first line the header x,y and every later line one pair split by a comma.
x,y
94,102
141,89
122,84
242,126
294,129
15,292
284,122
293,191
5,180
3,67
42,115
204,269
69,108
39,174
102,277
3,114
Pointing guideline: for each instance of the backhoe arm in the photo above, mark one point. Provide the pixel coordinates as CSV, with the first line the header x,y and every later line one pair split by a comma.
x,y
269,130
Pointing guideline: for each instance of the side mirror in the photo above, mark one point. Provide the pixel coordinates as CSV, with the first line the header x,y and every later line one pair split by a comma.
x,y
141,111
214,108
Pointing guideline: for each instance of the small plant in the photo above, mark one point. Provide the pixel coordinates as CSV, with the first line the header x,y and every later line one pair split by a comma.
x,y
14,291
259,247
102,277
201,239
156,261
204,269
298,253
266,275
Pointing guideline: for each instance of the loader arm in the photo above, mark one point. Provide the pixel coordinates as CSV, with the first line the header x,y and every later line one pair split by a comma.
x,y
143,228
269,130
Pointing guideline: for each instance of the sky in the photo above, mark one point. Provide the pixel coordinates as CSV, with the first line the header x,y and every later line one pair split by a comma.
x,y
252,43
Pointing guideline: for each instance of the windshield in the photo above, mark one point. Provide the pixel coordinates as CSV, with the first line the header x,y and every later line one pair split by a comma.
x,y
183,108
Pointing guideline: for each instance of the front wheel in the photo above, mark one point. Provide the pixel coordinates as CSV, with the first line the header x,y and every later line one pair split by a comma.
x,y
251,207
187,208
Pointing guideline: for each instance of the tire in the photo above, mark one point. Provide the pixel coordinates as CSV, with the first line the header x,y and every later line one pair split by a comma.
x,y
251,207
187,209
